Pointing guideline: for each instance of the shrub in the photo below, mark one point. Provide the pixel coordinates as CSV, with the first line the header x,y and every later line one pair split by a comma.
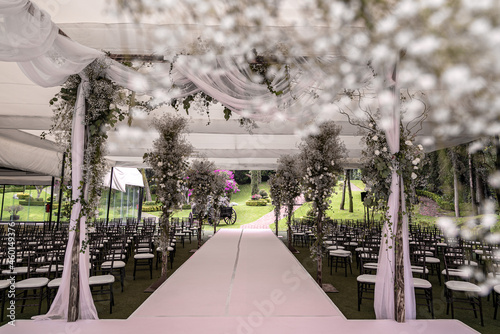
x,y
14,209
12,189
149,203
186,207
263,193
152,208
258,202
23,196
32,202
256,197
443,204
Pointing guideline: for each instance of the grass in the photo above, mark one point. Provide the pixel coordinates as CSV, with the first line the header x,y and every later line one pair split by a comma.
x,y
334,212
245,214
346,298
31,213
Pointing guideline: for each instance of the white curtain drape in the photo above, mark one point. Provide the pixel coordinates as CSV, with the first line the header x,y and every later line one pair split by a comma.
x,y
59,307
384,302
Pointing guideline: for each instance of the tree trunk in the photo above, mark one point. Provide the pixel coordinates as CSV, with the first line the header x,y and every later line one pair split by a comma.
x,y
277,210
351,204
74,283
39,190
480,187
342,201
289,226
147,190
165,232
399,275
256,178
455,184
200,223
319,256
472,189
497,167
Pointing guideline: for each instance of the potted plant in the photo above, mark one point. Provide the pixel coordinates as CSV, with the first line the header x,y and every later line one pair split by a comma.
x,y
13,210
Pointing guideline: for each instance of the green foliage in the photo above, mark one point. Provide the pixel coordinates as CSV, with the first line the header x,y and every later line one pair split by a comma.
x,y
443,204
241,176
12,189
258,202
256,180
186,207
14,209
23,195
33,202
263,193
152,208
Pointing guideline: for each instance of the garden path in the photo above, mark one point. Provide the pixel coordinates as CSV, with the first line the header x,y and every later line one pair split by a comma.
x,y
269,218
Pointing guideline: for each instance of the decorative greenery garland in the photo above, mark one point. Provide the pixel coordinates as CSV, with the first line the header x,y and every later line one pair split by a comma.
x,y
379,163
106,104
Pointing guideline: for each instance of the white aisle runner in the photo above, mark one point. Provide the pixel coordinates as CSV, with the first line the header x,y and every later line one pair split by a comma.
x,y
239,282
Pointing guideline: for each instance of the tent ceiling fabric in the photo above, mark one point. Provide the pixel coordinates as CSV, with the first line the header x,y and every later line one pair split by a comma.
x,y
25,112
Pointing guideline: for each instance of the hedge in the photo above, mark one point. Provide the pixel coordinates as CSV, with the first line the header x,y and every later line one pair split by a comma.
x,y
152,208
33,202
23,196
445,205
12,189
259,202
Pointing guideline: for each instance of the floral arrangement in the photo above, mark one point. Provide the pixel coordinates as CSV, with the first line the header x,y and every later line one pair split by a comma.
x,y
256,197
106,104
207,189
379,163
321,156
276,187
168,159
289,177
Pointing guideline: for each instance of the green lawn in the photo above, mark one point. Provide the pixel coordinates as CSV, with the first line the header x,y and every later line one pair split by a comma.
x,y
29,213
245,214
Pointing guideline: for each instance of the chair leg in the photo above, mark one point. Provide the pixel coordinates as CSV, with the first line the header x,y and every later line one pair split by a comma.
x,y
3,305
40,301
360,295
480,310
151,268
495,300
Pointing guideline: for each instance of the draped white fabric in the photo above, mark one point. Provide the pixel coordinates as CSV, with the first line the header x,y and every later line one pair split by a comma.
x,y
59,307
27,31
384,302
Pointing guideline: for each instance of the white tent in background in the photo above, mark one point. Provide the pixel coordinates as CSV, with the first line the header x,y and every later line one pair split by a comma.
x,y
123,177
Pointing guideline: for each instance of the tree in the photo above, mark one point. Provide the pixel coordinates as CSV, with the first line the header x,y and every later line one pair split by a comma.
x,y
206,187
288,180
322,155
169,161
344,185
147,190
256,180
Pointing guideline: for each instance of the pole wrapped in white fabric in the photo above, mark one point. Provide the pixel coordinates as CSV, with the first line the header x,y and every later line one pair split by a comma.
x,y
384,300
59,307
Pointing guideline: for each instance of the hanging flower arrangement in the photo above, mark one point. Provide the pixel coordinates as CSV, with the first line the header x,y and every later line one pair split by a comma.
x,y
379,163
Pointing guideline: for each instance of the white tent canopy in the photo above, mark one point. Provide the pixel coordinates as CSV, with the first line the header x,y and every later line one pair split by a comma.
x,y
123,177
25,112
